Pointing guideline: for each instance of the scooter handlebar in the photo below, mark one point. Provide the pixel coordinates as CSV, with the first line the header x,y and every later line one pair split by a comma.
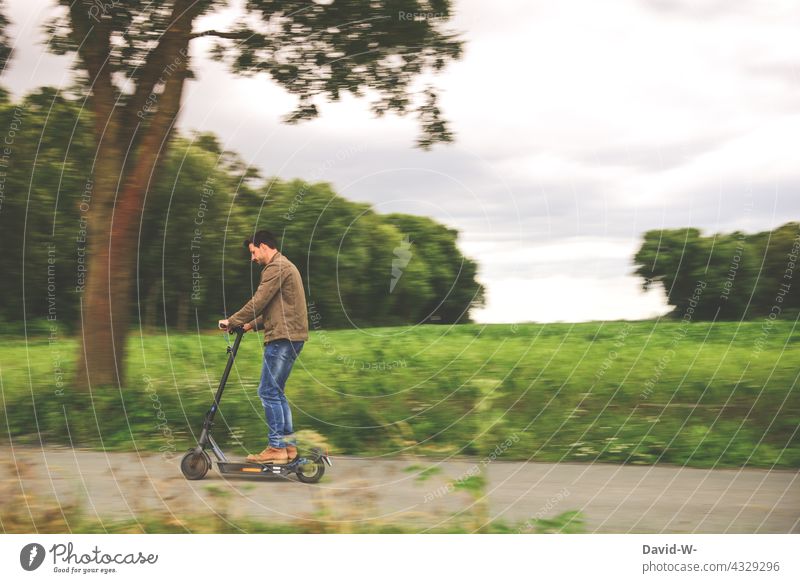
x,y
236,330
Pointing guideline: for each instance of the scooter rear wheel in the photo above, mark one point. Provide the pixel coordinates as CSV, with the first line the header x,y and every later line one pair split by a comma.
x,y
194,465
311,471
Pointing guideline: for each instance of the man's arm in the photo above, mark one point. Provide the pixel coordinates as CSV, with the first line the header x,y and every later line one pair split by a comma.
x,y
256,324
252,310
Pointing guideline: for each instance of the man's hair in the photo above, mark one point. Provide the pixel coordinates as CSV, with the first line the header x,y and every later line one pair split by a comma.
x,y
265,237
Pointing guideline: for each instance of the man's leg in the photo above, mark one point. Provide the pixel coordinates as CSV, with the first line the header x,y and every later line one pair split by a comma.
x,y
270,394
288,428
279,356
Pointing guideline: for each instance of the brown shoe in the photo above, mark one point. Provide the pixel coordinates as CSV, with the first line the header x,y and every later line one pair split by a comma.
x,y
273,455
291,452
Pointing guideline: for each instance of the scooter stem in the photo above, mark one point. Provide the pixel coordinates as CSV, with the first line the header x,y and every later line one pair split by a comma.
x,y
232,350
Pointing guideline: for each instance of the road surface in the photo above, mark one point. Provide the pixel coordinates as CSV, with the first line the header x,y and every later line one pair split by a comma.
x,y
612,498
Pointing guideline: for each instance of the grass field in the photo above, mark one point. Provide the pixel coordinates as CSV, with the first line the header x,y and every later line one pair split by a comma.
x,y
700,394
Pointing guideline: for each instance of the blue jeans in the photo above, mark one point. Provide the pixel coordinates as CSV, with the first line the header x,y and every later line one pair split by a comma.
x,y
279,357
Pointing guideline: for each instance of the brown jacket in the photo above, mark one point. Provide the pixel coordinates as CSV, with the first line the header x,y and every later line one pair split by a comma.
x,y
279,304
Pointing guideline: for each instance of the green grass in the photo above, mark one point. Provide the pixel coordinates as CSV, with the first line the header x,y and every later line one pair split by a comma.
x,y
75,520
703,395
570,522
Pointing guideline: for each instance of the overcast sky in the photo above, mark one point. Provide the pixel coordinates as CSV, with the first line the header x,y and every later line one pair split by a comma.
x,y
579,124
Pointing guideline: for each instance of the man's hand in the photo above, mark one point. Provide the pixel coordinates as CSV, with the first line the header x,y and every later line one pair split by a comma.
x,y
223,324
247,327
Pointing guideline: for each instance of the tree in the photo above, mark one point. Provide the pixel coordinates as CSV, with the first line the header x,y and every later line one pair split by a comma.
x,y
361,268
455,290
134,57
42,177
724,276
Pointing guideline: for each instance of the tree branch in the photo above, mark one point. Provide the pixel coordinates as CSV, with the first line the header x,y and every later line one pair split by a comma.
x,y
149,150
94,48
94,42
220,34
166,53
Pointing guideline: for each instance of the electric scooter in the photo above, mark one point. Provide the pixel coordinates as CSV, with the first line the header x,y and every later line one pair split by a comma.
x,y
196,462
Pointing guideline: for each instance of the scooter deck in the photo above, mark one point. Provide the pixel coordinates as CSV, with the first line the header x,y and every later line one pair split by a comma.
x,y
255,468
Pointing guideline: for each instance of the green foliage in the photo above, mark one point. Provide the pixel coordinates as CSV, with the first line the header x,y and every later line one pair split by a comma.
x,y
349,46
44,174
571,522
473,485
423,473
724,277
312,50
5,43
550,394
190,265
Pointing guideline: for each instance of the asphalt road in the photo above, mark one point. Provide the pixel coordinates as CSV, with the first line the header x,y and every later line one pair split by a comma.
x,y
612,498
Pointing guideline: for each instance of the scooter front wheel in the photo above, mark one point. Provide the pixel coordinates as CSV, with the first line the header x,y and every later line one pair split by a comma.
x,y
311,471
195,465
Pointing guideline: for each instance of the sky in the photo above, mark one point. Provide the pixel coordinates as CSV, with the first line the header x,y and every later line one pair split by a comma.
x,y
579,126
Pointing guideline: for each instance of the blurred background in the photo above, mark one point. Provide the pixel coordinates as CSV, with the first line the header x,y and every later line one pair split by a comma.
x,y
527,232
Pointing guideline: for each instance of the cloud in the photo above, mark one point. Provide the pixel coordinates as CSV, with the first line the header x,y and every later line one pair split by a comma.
x,y
570,299
643,156
693,9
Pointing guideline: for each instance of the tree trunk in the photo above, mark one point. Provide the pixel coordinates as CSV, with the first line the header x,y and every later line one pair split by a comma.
x,y
100,350
129,150
104,308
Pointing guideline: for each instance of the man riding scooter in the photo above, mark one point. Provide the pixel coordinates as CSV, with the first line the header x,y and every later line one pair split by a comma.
x,y
279,307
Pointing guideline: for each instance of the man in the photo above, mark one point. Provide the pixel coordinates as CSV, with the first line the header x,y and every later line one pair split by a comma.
x,y
279,306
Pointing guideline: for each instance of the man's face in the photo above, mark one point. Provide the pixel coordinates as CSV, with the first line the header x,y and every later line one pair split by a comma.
x,y
259,254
